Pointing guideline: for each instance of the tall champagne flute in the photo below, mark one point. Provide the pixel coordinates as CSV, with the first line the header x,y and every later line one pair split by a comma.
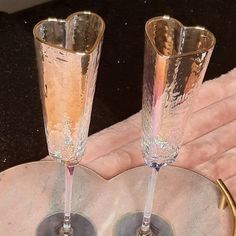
x,y
175,62
68,53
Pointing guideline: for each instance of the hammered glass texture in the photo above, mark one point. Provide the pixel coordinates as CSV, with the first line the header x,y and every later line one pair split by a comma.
x,y
175,61
68,53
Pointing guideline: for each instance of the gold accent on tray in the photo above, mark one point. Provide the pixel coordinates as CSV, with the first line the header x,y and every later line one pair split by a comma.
x,y
227,199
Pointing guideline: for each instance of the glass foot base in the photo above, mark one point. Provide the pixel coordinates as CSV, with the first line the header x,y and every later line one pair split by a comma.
x,y
130,224
51,226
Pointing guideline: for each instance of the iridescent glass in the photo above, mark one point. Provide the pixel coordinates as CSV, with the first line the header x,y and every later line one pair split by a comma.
x,y
175,61
68,53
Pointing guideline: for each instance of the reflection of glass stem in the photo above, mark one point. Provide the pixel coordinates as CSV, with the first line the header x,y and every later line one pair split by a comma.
x,y
67,229
145,228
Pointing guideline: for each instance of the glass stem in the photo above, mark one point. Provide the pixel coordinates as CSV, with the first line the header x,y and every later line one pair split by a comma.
x,y
67,229
145,228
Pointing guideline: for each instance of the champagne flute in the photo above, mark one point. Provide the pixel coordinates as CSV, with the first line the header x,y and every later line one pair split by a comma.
x,y
175,61
68,53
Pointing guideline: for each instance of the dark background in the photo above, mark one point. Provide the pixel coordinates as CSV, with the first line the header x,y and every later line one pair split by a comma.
x,y
119,83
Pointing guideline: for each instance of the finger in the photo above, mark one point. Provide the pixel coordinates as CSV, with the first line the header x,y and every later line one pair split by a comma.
x,y
215,90
210,118
112,137
202,149
223,168
201,123
211,91
219,167
117,161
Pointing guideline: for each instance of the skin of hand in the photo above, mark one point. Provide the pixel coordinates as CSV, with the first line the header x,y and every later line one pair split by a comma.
x,y
209,142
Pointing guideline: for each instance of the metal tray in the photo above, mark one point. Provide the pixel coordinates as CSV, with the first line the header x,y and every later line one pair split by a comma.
x,y
186,200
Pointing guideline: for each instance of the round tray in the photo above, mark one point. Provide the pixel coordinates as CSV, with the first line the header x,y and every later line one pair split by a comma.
x,y
184,199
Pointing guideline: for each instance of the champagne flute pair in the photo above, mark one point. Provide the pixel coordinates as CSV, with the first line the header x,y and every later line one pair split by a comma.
x,y
68,53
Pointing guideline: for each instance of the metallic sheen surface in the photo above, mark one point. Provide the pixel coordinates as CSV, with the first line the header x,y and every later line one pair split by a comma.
x,y
187,201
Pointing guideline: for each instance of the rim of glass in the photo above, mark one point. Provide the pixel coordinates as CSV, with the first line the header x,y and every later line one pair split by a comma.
x,y
166,17
100,35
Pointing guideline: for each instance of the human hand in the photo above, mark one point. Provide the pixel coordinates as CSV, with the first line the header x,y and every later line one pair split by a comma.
x,y
209,143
